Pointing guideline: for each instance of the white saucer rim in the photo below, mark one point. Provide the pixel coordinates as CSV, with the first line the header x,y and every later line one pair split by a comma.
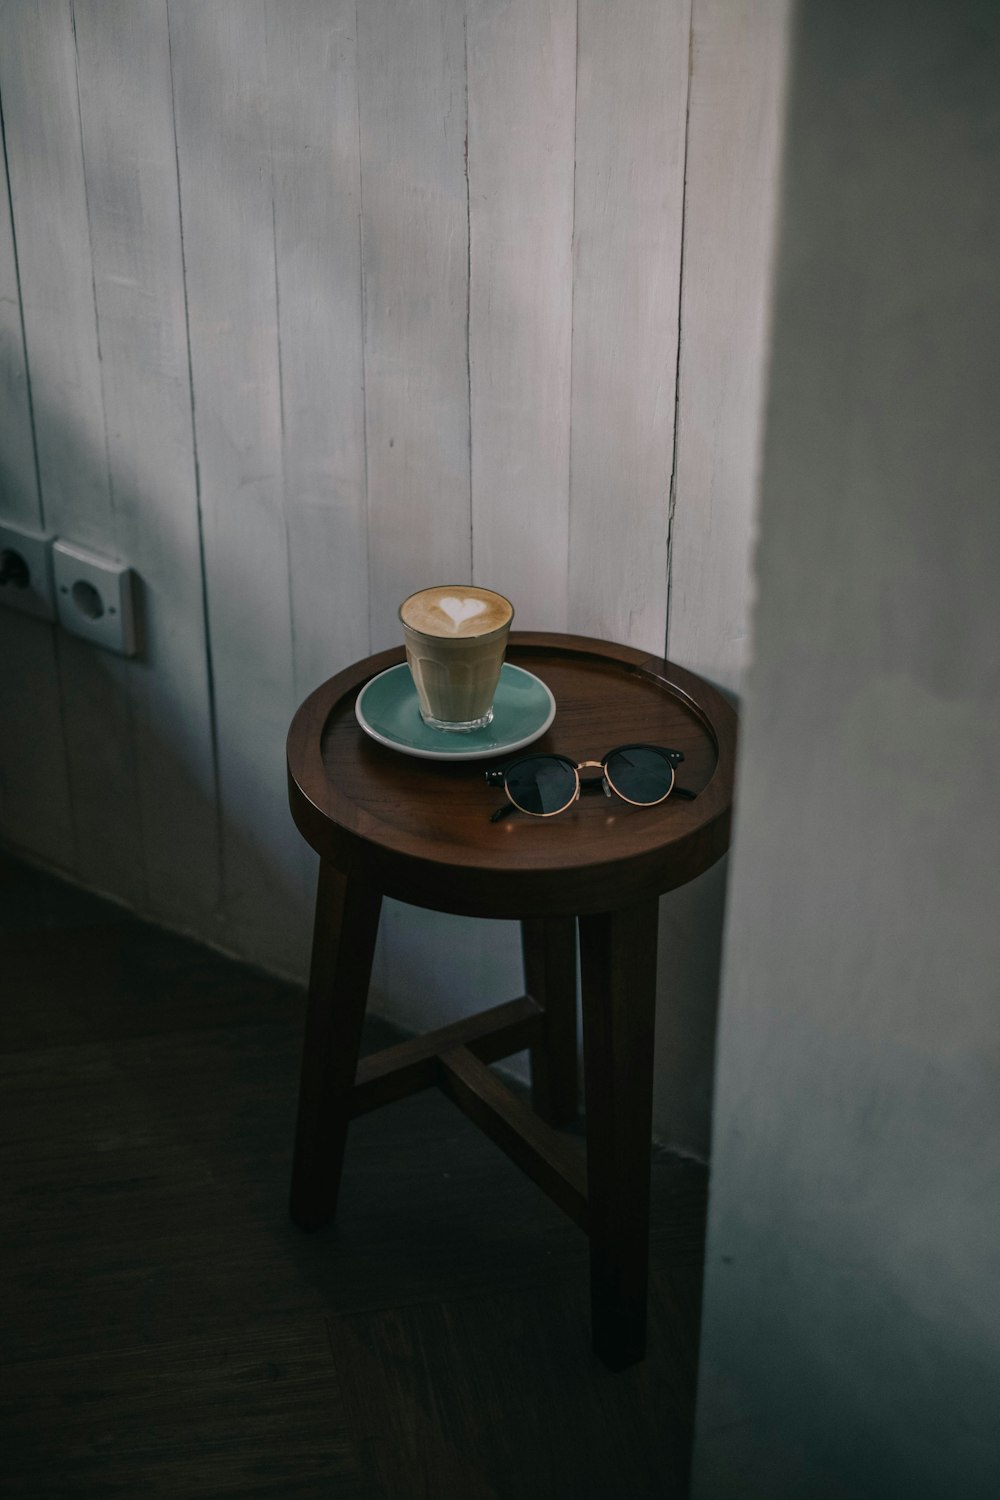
x,y
480,752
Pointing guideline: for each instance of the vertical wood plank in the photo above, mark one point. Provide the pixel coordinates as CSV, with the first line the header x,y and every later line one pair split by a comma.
x,y
631,106
35,809
45,158
20,504
130,164
733,160
411,64
415,250
38,80
313,110
737,87
34,789
522,102
219,57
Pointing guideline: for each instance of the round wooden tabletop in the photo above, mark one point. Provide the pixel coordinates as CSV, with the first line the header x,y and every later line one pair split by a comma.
x,y
420,830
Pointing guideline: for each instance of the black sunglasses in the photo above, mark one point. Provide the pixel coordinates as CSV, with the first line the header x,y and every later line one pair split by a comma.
x,y
543,785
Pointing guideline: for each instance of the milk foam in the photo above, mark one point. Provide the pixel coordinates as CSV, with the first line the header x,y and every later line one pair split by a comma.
x,y
456,611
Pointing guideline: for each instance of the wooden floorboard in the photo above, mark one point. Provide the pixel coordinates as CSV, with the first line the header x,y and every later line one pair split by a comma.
x,y
166,1331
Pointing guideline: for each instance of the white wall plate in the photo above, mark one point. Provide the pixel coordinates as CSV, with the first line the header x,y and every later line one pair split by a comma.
x,y
95,597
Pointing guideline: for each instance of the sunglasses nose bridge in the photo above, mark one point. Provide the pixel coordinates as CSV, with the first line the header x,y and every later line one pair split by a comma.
x,y
592,765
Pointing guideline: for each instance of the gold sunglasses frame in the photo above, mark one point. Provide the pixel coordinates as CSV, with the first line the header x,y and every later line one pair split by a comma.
x,y
672,757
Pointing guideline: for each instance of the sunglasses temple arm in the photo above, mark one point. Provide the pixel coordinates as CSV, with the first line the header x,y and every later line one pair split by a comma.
x,y
502,812
682,791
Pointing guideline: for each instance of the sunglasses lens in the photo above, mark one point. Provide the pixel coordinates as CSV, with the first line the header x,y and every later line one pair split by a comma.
x,y
541,784
640,774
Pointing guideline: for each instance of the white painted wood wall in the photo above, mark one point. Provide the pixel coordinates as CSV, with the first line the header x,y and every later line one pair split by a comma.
x,y
303,305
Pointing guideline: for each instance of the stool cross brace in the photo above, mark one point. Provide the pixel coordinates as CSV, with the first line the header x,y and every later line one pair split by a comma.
x,y
606,1190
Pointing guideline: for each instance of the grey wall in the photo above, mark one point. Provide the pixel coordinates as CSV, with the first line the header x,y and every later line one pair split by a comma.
x,y
852,1316
305,305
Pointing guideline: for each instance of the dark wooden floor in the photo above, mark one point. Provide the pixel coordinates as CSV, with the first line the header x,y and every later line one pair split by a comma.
x,y
166,1330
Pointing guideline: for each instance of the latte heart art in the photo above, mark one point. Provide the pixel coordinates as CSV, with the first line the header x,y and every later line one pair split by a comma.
x,y
460,610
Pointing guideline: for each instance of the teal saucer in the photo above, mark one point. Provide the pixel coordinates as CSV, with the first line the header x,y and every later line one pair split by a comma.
x,y
522,711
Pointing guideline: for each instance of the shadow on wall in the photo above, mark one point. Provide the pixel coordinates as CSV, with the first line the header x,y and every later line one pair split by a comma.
x,y
689,981
108,767
688,985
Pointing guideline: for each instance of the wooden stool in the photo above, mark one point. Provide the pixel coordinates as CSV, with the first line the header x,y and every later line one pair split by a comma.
x,y
386,824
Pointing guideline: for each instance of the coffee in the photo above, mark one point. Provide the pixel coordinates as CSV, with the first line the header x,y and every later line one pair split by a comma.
x,y
456,637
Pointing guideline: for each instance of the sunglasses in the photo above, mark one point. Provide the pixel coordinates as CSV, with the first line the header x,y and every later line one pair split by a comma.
x,y
543,785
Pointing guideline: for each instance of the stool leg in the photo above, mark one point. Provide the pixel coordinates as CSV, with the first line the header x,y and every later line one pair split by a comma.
x,y
344,935
549,949
618,959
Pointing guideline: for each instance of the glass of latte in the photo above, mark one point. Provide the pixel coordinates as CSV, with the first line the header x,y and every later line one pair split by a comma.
x,y
456,636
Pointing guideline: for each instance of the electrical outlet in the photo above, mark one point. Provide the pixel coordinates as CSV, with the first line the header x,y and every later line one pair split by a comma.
x,y
26,572
95,597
